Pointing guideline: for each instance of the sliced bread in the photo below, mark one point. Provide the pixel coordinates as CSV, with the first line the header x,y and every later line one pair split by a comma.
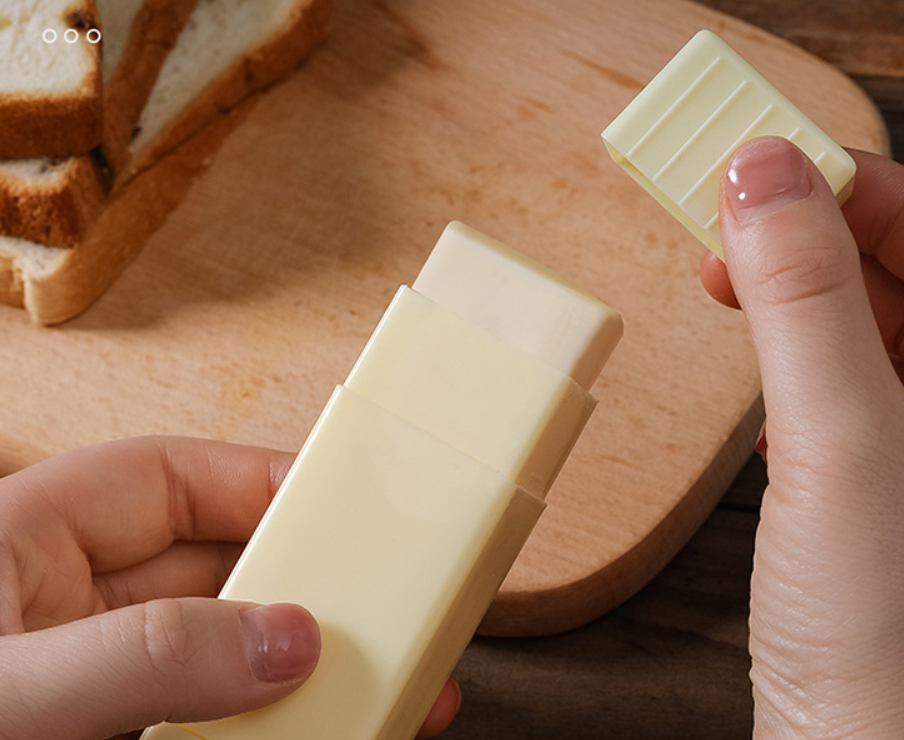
x,y
53,284
52,201
50,78
139,36
228,50
267,38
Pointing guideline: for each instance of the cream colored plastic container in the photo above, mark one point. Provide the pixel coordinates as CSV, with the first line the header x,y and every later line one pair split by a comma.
x,y
676,136
413,495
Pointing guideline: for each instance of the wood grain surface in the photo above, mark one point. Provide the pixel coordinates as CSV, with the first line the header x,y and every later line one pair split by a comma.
x,y
256,296
861,37
670,663
674,655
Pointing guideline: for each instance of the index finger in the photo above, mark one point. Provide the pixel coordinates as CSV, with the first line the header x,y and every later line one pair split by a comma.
x,y
126,501
875,210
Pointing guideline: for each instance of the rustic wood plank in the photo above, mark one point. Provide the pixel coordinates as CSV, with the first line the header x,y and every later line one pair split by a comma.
x,y
861,37
672,662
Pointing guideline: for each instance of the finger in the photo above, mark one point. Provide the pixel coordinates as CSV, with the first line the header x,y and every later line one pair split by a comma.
x,y
443,712
875,210
796,272
183,569
714,276
762,443
179,660
125,501
875,215
886,294
828,523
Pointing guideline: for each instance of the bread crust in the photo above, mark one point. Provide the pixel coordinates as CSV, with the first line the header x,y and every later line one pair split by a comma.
x,y
152,36
303,30
61,283
68,280
12,285
59,212
61,125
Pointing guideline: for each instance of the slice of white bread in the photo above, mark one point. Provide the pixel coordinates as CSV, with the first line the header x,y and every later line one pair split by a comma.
x,y
53,201
139,34
231,48
55,284
50,87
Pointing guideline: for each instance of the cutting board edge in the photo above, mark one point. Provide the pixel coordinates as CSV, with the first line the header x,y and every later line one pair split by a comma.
x,y
573,605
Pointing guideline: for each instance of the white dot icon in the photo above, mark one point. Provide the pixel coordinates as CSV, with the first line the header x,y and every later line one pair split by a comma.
x,y
71,35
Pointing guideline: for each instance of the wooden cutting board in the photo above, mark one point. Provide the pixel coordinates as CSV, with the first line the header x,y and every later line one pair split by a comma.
x,y
256,296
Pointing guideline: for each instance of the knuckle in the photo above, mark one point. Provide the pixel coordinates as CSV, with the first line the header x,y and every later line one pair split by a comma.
x,y
167,642
811,271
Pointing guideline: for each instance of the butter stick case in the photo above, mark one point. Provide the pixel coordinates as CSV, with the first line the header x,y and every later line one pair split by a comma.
x,y
418,486
676,136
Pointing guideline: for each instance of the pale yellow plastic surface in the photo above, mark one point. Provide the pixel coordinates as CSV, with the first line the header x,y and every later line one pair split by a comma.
x,y
396,543
520,302
403,512
499,405
676,136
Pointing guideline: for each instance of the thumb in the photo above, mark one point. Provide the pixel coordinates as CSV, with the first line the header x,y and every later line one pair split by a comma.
x,y
795,269
175,659
825,632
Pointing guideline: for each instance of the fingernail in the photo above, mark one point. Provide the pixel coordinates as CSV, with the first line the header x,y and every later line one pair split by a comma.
x,y
282,642
765,176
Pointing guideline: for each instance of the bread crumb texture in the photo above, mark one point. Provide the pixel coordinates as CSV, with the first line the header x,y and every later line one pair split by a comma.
x,y
33,67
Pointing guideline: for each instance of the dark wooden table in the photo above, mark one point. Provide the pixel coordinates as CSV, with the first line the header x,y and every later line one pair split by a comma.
x,y
672,662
